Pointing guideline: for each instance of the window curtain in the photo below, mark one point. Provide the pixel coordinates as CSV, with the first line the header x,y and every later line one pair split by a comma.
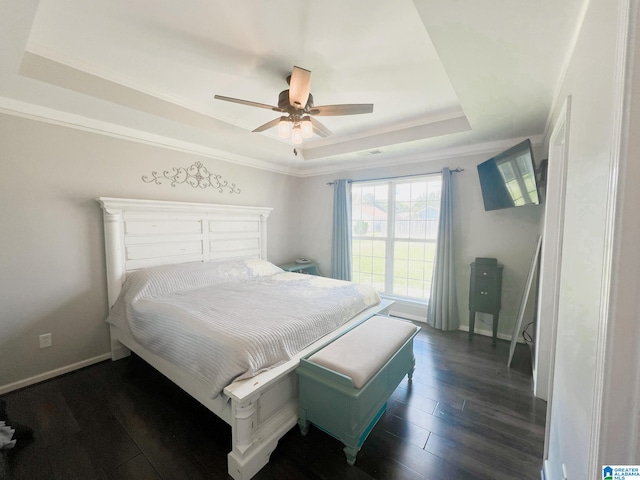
x,y
341,243
443,307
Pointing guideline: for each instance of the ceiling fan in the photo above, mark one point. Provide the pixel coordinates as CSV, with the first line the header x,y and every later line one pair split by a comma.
x,y
297,103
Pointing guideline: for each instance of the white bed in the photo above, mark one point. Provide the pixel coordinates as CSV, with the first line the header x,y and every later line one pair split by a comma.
x,y
146,233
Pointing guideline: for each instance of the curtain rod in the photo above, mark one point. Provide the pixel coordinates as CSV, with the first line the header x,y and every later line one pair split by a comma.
x,y
457,170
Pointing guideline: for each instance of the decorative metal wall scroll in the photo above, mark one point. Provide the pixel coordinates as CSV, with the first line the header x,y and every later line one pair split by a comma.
x,y
196,176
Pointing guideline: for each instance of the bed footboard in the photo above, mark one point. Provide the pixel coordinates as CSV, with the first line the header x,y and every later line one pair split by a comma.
x,y
258,422
260,410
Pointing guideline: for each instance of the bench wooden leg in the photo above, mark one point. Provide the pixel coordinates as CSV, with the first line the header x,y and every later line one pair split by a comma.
x,y
304,426
351,453
410,374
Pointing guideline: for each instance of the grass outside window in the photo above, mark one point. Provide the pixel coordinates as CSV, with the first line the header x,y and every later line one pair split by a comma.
x,y
394,231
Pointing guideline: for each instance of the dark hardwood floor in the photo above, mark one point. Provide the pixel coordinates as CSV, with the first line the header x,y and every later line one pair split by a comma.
x,y
464,416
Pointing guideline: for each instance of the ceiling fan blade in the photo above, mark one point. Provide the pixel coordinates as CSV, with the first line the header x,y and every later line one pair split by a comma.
x,y
299,86
319,128
344,109
267,125
247,102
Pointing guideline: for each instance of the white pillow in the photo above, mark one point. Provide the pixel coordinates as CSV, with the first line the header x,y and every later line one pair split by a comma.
x,y
261,268
166,279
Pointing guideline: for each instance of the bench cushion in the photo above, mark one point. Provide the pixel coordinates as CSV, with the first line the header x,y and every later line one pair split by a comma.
x,y
360,353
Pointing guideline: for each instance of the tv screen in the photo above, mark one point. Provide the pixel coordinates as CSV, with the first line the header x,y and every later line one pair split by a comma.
x,y
509,179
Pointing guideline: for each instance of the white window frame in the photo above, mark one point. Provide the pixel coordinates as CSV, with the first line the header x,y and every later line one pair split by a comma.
x,y
390,239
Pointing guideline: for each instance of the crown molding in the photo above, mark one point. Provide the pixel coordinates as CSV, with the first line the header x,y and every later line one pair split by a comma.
x,y
450,121
487,148
40,113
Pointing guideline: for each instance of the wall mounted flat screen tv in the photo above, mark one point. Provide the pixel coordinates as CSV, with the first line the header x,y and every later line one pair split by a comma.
x,y
509,179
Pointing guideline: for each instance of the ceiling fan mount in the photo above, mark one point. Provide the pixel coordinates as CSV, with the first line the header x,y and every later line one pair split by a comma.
x,y
285,105
297,103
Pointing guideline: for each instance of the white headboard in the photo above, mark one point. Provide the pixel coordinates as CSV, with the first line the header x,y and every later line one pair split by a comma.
x,y
145,233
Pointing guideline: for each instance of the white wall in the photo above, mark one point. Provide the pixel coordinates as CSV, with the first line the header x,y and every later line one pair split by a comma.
x,y
620,432
508,235
592,81
52,273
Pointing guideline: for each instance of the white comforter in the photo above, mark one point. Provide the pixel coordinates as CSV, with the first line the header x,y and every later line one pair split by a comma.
x,y
225,321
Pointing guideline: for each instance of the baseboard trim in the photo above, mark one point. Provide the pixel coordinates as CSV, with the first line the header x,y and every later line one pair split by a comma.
x,y
489,333
107,356
52,373
464,328
407,316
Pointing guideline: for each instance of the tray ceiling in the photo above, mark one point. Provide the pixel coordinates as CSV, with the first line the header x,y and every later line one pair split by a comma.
x,y
441,74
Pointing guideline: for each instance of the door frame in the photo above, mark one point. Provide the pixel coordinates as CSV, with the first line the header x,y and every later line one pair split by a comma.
x,y
551,261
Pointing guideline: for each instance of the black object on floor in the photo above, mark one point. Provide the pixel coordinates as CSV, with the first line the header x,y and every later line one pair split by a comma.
x,y
22,435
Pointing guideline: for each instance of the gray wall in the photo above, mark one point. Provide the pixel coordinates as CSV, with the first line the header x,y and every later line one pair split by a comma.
x,y
52,273
508,235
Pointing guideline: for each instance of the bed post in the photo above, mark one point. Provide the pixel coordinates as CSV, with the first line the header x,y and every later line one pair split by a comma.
x,y
114,248
259,418
249,454
115,264
116,273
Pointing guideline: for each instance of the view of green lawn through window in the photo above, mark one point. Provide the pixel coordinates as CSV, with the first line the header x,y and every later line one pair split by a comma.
x,y
394,231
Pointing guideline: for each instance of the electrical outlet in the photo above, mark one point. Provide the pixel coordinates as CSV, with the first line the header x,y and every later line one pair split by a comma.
x,y
45,340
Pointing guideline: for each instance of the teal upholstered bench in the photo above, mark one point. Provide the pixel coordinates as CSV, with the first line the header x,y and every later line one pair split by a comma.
x,y
344,386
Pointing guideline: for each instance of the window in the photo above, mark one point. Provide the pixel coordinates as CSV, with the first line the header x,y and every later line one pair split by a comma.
x,y
394,233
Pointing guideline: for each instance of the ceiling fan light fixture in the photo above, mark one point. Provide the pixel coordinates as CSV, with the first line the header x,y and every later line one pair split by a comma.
x,y
307,127
296,135
284,127
298,106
